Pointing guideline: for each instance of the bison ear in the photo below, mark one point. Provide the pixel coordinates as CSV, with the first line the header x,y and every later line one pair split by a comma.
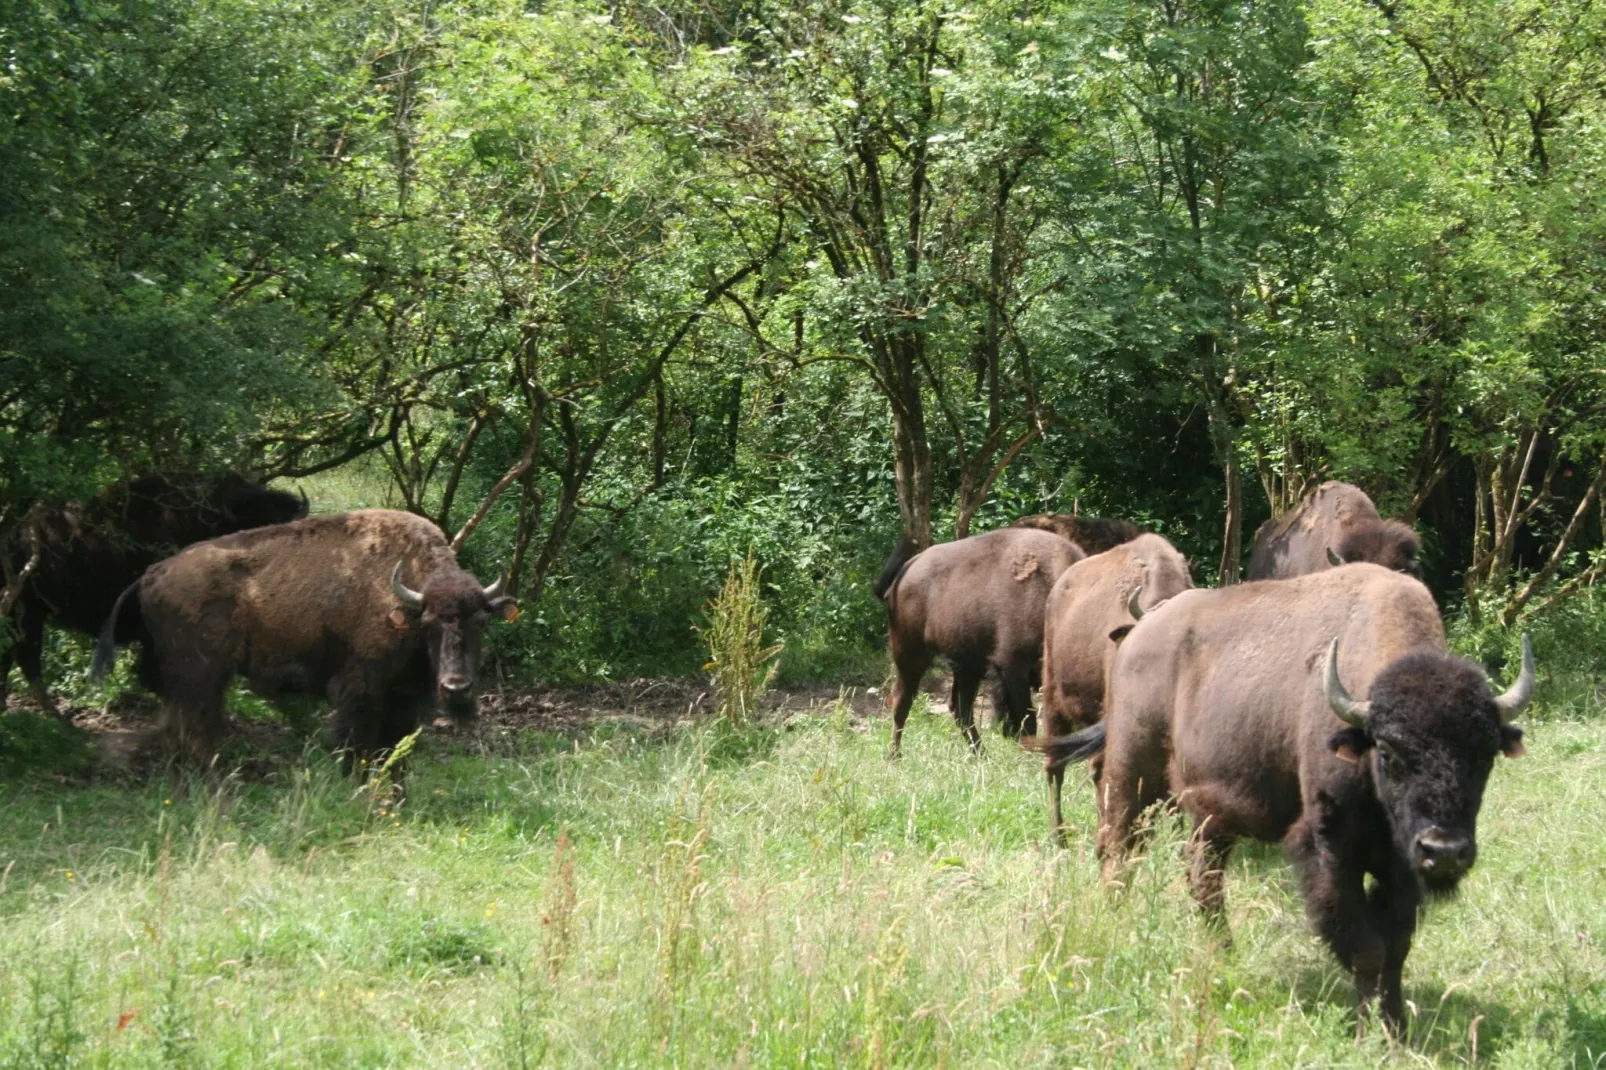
x,y
1120,633
1350,744
1511,744
400,620
506,608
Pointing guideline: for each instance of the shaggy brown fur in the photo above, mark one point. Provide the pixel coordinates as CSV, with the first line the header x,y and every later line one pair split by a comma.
x,y
1092,534
1335,517
1216,699
308,608
90,551
1087,604
979,603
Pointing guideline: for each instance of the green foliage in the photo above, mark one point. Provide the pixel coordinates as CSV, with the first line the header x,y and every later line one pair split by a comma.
x,y
34,744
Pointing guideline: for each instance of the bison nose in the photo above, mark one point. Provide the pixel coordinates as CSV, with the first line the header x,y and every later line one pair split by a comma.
x,y
1445,853
456,686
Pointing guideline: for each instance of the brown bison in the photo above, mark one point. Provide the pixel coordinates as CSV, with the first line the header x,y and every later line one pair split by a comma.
x,y
90,551
1335,524
1236,703
1091,533
979,603
369,609
1091,600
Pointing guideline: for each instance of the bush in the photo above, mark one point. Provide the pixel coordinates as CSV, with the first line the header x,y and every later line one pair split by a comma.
x,y
743,667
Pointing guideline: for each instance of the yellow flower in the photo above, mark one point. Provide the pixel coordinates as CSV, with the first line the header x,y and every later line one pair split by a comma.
x,y
489,910
70,877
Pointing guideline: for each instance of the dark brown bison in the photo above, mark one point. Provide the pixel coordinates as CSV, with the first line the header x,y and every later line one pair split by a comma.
x,y
90,551
1091,533
979,603
1091,600
1335,524
1236,703
369,609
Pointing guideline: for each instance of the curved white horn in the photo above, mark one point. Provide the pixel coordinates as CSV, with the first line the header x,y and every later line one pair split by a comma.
x,y
1333,559
1349,711
1518,694
495,589
1132,606
404,594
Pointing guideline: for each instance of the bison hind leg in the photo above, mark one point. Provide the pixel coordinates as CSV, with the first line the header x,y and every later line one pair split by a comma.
x,y
967,681
911,666
1012,699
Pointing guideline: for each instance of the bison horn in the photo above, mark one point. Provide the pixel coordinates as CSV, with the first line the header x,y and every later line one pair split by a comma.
x,y
1349,711
404,594
1517,696
495,589
1132,606
1333,559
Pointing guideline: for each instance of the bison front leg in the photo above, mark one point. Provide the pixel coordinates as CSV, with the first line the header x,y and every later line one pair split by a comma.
x,y
1394,902
1207,875
1336,904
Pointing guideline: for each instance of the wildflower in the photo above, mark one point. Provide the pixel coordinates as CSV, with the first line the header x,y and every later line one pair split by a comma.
x,y
69,875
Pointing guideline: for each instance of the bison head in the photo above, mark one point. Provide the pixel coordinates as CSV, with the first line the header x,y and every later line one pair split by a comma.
x,y
245,505
1428,735
453,610
1390,544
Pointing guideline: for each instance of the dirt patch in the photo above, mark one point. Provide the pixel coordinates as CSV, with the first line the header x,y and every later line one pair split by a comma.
x,y
124,732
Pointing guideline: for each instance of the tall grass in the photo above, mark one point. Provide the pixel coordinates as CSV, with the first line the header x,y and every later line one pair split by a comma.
x,y
742,666
762,898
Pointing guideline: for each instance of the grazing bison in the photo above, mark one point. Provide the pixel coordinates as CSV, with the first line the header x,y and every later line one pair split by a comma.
x,y
1235,703
979,603
1089,602
1092,534
90,551
1335,524
368,608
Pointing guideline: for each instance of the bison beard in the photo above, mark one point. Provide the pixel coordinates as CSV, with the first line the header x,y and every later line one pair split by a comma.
x,y
1236,723
89,551
324,606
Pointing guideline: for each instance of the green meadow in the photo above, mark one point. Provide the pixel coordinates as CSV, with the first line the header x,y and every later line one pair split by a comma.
x,y
773,896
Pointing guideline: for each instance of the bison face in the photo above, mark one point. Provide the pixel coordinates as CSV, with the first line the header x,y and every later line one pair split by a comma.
x,y
1428,735
453,610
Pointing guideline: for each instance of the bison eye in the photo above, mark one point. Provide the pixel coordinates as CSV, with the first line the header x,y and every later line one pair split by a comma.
x,y
1393,763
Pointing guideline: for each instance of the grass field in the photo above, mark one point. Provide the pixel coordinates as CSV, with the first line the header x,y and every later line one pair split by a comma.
x,y
760,898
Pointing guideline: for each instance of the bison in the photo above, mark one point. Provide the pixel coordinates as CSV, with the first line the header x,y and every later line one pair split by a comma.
x,y
1236,704
1335,524
1092,534
979,603
368,608
90,551
1091,600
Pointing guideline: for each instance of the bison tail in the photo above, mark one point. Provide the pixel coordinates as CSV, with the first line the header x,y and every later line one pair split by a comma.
x,y
1060,751
889,575
120,626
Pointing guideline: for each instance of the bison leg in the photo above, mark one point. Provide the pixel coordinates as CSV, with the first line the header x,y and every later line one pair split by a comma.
x,y
1015,691
1131,779
1336,904
1207,875
369,729
30,651
911,667
1056,820
966,683
1394,902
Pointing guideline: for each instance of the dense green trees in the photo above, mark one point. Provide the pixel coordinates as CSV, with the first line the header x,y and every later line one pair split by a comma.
x,y
630,289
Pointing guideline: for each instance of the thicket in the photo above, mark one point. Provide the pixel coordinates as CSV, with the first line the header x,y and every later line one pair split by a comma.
x,y
622,293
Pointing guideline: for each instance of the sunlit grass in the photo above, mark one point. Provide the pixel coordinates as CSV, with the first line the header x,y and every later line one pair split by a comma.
x,y
745,898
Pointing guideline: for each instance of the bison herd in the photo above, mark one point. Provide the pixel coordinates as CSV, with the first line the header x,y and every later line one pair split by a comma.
x,y
1236,705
